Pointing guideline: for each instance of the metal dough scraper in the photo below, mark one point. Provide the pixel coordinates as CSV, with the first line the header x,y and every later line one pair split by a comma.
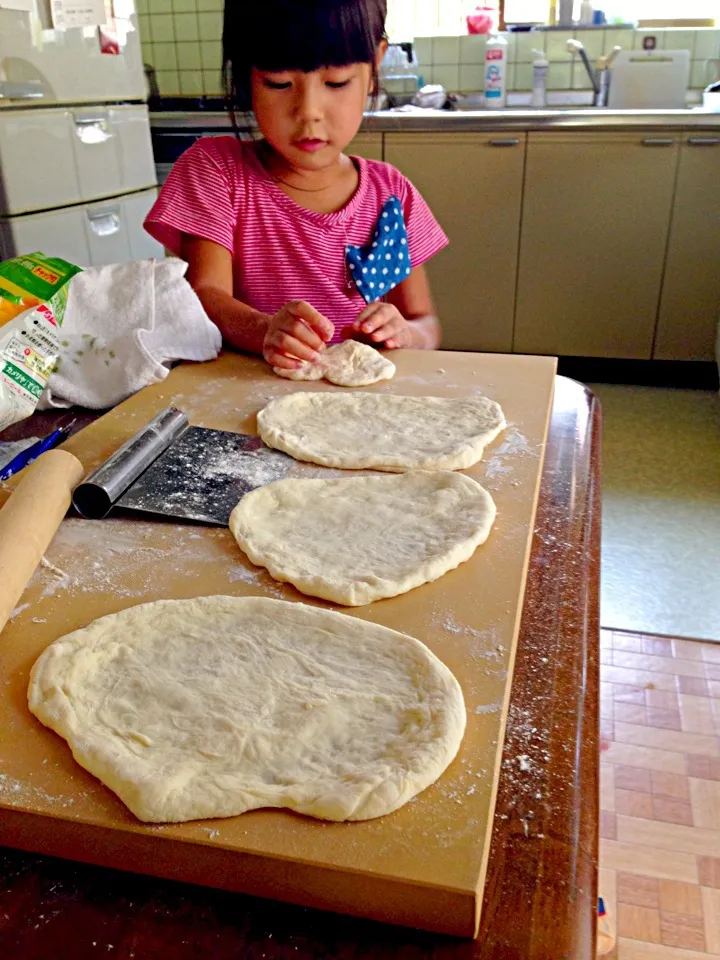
x,y
175,470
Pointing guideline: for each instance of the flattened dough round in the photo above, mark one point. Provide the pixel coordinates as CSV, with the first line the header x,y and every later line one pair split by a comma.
x,y
358,540
381,431
214,706
347,364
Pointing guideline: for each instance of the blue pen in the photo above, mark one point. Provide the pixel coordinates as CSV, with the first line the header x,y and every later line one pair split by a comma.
x,y
27,456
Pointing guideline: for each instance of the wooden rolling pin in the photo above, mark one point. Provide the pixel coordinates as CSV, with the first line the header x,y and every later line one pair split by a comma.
x,y
29,519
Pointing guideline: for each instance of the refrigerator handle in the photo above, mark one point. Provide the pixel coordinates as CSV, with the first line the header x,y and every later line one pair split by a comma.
x,y
105,221
32,90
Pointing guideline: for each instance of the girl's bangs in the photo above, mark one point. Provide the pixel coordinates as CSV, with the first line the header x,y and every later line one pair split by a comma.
x,y
290,35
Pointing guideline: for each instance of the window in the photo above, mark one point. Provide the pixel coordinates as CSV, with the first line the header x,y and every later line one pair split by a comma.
x,y
426,18
432,18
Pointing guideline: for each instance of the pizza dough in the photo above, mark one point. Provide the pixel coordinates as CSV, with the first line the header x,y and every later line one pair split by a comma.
x,y
201,708
347,364
381,431
358,540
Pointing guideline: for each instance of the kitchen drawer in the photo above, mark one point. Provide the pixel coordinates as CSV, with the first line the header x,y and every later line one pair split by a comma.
x,y
131,129
113,151
59,233
54,158
115,230
91,235
37,161
96,153
107,232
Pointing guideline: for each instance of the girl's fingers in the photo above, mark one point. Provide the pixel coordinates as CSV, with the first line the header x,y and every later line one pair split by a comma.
x,y
373,316
296,334
290,346
389,329
280,360
313,318
401,339
300,331
378,321
381,335
383,323
367,313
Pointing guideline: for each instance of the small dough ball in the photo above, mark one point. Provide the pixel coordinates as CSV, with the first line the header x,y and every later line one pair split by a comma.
x,y
347,364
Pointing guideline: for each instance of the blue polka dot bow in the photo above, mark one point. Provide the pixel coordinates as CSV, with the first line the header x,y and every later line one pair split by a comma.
x,y
385,263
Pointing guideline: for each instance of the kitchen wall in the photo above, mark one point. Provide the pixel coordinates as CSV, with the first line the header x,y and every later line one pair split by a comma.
x,y
456,62
181,39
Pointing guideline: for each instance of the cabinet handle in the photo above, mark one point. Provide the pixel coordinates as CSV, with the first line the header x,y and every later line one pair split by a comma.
x,y
105,222
704,141
658,142
510,142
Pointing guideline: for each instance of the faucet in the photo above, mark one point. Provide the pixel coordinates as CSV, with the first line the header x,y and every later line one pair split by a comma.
x,y
599,77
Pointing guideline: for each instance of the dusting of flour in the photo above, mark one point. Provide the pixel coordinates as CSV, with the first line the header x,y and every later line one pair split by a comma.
x,y
127,558
499,468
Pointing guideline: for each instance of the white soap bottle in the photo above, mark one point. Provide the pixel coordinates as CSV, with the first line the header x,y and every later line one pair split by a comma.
x,y
496,54
540,72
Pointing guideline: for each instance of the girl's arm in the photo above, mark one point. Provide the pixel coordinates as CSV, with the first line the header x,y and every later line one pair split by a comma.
x,y
210,274
295,333
407,317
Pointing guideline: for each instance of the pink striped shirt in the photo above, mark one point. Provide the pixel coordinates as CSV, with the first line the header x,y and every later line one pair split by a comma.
x,y
218,190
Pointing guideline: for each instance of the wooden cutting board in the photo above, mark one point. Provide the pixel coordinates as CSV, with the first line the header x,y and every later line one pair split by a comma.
x,y
423,865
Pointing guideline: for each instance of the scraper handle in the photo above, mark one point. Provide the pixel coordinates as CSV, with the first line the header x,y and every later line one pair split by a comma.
x,y
95,496
29,520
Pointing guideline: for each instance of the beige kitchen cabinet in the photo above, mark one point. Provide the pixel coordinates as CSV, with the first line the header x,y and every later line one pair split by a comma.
x,y
368,145
595,223
690,302
473,184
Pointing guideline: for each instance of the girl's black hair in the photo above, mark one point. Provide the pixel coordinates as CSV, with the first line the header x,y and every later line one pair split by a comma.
x,y
277,35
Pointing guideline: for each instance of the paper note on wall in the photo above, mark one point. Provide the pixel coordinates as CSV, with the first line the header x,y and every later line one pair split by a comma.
x,y
77,13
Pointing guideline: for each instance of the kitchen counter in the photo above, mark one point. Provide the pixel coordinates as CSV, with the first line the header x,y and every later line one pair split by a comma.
x,y
470,121
541,886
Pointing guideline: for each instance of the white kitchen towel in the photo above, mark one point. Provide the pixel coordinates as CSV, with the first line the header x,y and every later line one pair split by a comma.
x,y
125,324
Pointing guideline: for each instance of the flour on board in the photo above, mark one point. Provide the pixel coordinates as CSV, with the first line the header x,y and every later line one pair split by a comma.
x,y
124,557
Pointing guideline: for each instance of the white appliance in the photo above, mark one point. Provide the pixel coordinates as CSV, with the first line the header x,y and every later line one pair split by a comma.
x,y
77,174
649,79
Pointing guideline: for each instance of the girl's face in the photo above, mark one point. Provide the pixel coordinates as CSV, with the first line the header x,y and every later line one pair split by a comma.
x,y
309,118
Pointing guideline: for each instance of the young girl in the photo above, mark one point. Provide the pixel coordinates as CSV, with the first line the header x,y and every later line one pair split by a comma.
x,y
291,244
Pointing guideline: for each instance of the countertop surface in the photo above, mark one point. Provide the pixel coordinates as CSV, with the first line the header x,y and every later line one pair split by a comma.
x,y
518,119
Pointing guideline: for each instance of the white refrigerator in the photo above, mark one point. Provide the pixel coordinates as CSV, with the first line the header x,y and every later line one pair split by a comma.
x,y
77,175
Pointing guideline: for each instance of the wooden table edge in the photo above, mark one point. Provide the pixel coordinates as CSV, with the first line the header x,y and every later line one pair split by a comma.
x,y
543,865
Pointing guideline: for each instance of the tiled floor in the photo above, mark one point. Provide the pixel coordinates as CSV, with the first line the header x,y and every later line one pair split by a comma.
x,y
660,795
661,510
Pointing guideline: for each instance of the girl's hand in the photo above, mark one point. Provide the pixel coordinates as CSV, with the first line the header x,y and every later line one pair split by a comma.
x,y
383,324
297,332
